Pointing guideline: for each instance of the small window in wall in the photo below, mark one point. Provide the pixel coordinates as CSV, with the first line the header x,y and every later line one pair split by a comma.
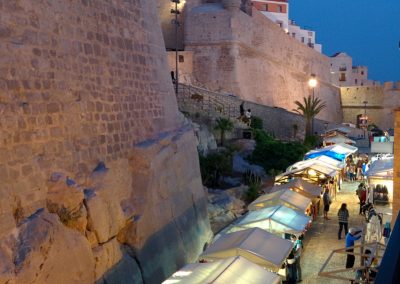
x,y
355,81
181,58
309,40
342,77
302,39
293,34
362,83
362,72
279,9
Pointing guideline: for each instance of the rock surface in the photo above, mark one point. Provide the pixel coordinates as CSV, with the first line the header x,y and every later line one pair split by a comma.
x,y
100,180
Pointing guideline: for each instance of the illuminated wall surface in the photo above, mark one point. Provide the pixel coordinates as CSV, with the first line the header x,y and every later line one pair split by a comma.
x,y
99,174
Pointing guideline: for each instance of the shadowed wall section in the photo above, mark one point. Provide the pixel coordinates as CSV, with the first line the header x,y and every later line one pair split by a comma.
x,y
99,173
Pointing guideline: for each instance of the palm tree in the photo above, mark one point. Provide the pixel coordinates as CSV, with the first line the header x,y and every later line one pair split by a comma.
x,y
310,107
223,125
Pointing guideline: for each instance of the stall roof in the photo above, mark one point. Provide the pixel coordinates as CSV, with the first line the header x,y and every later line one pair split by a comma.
x,y
257,245
321,160
339,139
301,186
285,197
309,171
236,270
381,168
339,152
277,219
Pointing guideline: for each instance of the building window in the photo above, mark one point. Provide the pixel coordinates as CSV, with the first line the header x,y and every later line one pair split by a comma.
x,y
310,33
279,9
362,72
181,58
309,40
302,39
355,81
342,77
264,7
293,34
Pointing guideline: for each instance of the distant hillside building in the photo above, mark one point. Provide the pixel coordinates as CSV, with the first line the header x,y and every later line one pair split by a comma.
x,y
278,12
345,74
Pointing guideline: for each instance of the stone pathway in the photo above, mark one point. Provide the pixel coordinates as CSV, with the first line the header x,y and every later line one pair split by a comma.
x,y
322,238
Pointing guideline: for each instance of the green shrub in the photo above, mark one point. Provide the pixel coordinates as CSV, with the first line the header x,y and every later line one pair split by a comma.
x,y
215,165
254,183
311,141
256,123
273,154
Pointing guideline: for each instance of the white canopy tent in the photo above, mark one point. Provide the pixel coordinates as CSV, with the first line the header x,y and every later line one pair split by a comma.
x,y
337,140
285,197
301,186
277,220
321,161
312,172
256,245
381,168
235,270
338,151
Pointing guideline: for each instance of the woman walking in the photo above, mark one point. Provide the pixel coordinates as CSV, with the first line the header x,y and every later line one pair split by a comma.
x,y
343,217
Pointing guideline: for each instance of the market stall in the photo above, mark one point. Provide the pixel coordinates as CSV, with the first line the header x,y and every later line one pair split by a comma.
x,y
235,270
279,220
256,245
380,179
284,197
338,152
311,172
309,190
320,160
333,140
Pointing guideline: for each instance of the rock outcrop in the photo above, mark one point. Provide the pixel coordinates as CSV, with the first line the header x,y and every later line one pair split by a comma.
x,y
100,181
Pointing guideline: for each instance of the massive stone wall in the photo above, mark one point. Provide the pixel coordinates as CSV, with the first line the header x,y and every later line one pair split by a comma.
x,y
381,102
252,57
99,175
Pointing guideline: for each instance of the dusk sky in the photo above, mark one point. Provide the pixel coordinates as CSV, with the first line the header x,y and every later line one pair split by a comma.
x,y
368,31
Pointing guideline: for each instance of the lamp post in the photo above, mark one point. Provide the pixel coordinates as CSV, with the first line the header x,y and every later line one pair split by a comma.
x,y
177,24
365,118
312,83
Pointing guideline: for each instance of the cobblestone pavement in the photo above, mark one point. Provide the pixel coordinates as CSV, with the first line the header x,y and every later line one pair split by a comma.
x,y
322,238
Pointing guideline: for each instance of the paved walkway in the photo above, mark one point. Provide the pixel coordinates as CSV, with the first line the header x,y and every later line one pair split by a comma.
x,y
322,238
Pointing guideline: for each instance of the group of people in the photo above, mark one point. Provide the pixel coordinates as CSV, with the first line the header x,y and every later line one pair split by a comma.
x,y
245,116
356,167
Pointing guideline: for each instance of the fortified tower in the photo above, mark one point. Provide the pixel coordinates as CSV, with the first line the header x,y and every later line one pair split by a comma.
x,y
99,172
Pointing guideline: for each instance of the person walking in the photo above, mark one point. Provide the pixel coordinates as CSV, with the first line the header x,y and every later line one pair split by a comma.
x,y
352,236
362,196
297,250
327,202
343,217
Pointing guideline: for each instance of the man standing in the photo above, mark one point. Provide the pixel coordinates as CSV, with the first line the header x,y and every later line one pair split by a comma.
x,y
351,237
297,250
327,202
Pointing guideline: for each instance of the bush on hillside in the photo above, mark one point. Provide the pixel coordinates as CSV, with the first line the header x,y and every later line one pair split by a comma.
x,y
256,123
275,155
215,165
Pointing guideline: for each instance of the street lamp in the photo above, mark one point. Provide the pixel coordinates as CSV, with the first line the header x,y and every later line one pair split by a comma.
x,y
312,83
177,24
365,118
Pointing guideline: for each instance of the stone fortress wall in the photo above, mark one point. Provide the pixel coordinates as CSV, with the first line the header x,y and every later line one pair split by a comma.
x,y
382,100
253,58
99,175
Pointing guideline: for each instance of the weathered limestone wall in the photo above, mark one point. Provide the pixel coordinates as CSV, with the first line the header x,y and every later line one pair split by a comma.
x,y
251,57
99,174
382,100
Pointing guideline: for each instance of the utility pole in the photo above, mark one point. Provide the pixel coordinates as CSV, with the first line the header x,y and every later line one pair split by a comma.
x,y
177,24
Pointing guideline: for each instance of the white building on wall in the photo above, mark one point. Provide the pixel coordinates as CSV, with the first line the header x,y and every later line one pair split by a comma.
x,y
305,36
278,12
343,73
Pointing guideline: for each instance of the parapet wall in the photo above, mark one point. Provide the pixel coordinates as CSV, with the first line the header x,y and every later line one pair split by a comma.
x,y
253,58
97,168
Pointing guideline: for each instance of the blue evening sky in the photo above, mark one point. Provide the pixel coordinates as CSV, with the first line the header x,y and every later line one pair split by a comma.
x,y
368,31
